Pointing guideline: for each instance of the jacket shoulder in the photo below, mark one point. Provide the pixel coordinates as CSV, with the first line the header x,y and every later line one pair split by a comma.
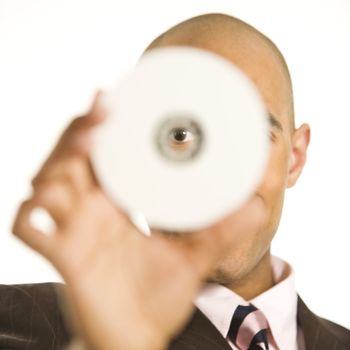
x,y
340,332
30,317
320,333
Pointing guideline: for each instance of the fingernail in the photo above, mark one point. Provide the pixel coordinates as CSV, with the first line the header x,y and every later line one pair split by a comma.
x,y
98,109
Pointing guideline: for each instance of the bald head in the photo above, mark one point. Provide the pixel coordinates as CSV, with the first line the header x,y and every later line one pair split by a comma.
x,y
247,48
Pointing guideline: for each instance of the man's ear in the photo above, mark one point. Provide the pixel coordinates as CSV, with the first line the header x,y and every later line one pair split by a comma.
x,y
300,143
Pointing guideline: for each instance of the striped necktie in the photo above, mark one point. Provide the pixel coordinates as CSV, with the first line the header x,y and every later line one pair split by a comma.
x,y
248,329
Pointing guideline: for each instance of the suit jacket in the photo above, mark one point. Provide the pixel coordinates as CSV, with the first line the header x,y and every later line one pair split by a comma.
x,y
30,318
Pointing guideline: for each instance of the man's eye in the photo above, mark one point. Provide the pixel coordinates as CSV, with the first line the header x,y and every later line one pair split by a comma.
x,y
180,136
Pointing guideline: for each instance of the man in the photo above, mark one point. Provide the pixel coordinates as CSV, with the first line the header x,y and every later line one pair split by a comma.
x,y
127,291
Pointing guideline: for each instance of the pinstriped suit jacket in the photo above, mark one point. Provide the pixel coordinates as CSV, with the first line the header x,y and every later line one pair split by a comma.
x,y
30,319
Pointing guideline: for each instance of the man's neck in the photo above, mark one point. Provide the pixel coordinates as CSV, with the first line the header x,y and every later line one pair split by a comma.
x,y
257,281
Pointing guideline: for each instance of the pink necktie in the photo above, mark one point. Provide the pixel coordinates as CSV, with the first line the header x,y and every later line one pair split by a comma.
x,y
248,329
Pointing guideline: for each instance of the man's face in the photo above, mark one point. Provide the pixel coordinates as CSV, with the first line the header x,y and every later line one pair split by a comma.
x,y
257,61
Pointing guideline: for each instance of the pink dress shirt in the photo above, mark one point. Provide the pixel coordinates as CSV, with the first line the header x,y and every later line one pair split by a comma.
x,y
279,305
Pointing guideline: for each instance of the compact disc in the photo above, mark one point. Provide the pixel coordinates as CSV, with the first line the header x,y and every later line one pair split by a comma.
x,y
186,139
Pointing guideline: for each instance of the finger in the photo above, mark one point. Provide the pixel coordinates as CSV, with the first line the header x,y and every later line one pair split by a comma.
x,y
96,115
23,229
57,199
78,144
98,112
93,177
75,172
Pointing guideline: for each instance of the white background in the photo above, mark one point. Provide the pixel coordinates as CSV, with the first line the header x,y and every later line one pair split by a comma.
x,y
54,54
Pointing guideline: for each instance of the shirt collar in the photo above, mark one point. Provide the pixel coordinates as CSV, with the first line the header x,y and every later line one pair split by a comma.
x,y
279,305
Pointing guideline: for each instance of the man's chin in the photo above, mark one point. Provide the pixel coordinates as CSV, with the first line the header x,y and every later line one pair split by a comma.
x,y
222,278
177,234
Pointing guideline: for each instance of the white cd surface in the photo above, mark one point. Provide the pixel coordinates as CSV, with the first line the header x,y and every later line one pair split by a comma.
x,y
186,140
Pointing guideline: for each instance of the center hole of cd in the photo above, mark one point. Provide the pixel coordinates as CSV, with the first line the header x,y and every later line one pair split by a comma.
x,y
179,137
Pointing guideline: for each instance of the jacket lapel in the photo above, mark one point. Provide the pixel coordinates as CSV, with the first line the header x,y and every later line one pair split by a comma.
x,y
200,334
